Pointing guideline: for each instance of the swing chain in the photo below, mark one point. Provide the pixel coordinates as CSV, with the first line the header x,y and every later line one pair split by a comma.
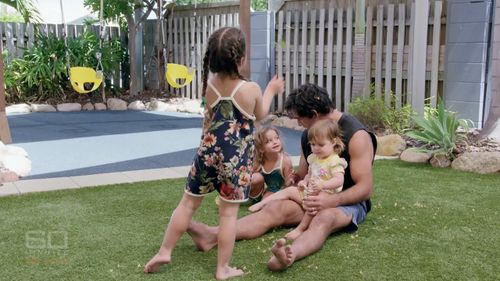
x,y
99,69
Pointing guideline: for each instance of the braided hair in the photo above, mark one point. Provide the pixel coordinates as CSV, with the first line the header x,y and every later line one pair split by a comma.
x,y
225,49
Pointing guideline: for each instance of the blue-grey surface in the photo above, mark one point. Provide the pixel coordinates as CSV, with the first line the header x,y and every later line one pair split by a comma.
x,y
63,144
466,63
262,47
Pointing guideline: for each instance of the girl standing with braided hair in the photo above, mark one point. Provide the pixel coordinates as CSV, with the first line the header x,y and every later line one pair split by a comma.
x,y
224,159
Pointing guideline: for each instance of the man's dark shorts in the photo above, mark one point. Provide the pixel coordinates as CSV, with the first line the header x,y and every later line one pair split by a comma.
x,y
358,212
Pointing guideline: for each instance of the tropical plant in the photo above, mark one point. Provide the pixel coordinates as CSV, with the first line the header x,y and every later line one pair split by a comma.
x,y
27,9
38,73
11,18
370,111
374,113
257,5
438,128
42,74
398,120
83,49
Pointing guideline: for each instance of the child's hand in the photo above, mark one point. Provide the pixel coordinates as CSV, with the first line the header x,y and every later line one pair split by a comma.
x,y
291,179
276,85
302,185
311,190
316,184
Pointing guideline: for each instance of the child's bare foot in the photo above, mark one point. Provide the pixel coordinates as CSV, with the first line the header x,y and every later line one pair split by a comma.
x,y
228,272
256,207
204,237
158,260
292,235
282,256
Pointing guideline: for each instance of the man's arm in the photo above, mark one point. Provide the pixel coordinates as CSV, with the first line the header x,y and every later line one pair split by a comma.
x,y
361,152
302,170
287,171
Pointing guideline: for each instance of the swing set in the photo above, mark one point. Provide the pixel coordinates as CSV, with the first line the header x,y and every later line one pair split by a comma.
x,y
177,75
85,79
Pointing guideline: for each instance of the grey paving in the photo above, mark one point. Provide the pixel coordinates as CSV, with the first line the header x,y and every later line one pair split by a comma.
x,y
78,149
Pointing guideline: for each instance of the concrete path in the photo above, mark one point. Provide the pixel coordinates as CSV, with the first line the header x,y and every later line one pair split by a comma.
x,y
79,149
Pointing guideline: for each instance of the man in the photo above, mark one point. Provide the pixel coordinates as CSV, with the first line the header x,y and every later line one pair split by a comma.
x,y
342,211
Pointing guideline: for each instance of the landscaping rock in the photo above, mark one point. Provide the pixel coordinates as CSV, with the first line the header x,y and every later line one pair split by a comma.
x,y
190,106
478,162
440,161
413,156
390,145
286,122
100,106
268,120
14,159
157,105
116,104
18,108
69,107
88,107
42,108
136,105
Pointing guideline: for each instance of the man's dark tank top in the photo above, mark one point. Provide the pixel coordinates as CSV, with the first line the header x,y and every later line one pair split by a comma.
x,y
348,125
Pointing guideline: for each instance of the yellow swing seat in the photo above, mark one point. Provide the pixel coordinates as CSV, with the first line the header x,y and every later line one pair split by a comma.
x,y
84,79
178,72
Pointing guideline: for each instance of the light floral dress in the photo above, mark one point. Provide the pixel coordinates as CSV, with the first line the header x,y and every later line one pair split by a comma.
x,y
224,159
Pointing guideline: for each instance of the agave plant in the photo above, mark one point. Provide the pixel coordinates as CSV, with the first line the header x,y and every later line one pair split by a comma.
x,y
438,128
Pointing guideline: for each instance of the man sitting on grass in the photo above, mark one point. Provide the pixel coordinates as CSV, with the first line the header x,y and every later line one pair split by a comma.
x,y
339,212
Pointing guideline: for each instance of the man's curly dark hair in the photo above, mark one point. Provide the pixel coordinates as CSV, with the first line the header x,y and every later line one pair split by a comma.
x,y
309,99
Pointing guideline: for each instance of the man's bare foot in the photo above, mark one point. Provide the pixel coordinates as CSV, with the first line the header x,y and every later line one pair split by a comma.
x,y
158,260
282,256
256,207
228,272
204,237
292,235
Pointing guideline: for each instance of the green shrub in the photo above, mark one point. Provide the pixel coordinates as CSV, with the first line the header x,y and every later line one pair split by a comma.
x,y
42,72
370,111
39,73
398,120
438,128
83,51
375,114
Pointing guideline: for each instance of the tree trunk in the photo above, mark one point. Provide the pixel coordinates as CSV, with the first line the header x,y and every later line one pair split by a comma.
x,y
4,124
159,46
132,33
245,27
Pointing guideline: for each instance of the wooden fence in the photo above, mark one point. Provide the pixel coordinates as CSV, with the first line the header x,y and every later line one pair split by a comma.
x,y
17,37
316,41
320,45
186,39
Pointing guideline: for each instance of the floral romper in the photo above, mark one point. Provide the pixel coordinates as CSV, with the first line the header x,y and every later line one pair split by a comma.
x,y
224,159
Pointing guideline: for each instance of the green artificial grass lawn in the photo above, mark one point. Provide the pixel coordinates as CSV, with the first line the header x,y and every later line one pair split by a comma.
x,y
426,224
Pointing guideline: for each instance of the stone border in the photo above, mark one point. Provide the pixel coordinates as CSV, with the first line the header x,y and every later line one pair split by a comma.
x,y
114,104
